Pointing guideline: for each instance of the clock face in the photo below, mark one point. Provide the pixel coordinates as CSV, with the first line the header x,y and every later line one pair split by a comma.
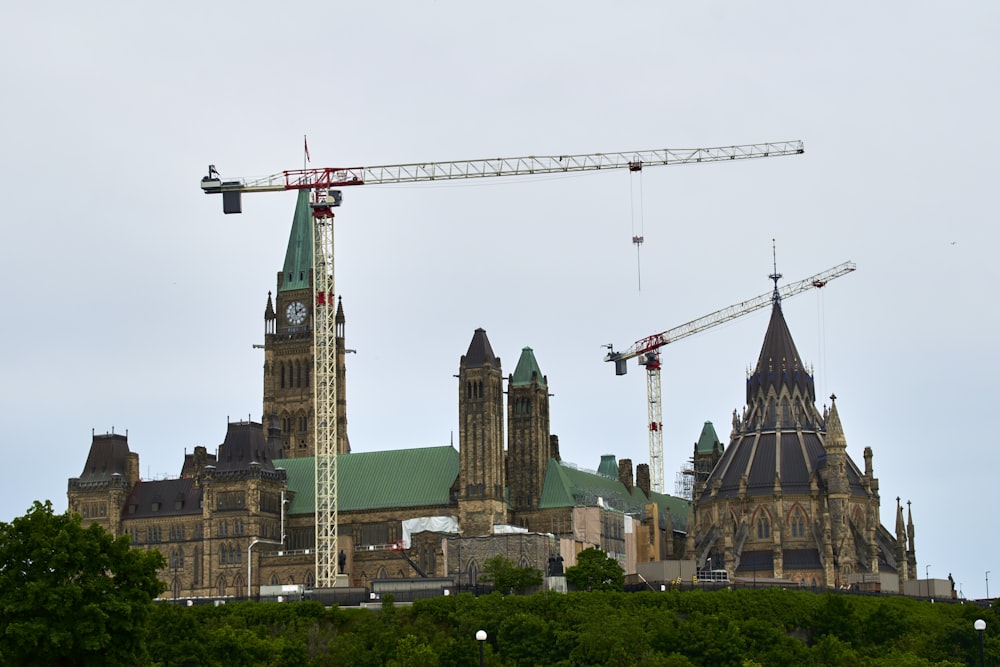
x,y
295,313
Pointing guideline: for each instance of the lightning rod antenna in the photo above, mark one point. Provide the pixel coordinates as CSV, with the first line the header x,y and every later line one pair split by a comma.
x,y
776,296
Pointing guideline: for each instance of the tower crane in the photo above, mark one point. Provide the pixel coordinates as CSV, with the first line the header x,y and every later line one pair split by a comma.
x,y
325,196
648,351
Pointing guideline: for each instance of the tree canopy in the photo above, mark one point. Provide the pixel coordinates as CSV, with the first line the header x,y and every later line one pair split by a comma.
x,y
728,628
596,571
507,576
71,595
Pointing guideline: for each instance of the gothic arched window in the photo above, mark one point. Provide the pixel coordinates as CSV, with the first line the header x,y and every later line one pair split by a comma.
x,y
798,524
473,573
763,527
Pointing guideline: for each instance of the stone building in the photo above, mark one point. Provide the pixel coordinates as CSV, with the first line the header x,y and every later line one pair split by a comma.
x,y
785,501
243,514
288,345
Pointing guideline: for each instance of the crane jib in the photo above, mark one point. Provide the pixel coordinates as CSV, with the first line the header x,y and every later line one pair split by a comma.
x,y
418,172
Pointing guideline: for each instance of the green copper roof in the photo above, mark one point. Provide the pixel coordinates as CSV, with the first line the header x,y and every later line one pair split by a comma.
x,y
567,486
298,256
527,370
708,439
678,508
609,466
376,480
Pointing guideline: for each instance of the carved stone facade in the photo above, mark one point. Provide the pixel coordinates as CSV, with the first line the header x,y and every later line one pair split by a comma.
x,y
481,500
785,501
529,443
288,346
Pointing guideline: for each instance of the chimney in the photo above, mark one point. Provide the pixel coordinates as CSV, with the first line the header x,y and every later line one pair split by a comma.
x,y
625,473
554,447
642,478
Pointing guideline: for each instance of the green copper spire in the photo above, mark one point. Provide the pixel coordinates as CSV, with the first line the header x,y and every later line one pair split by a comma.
x,y
527,370
299,255
708,441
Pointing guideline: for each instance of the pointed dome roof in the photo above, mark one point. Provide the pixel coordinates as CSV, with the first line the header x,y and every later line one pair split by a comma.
x,y
779,363
781,435
834,430
298,256
708,440
269,310
480,352
527,370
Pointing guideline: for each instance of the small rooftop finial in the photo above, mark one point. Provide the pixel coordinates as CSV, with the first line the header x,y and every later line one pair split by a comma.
x,y
775,297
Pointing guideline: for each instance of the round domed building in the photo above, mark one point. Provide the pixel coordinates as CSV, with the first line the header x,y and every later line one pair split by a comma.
x,y
784,501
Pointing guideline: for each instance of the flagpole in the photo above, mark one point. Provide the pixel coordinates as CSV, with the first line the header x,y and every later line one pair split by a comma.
x,y
305,151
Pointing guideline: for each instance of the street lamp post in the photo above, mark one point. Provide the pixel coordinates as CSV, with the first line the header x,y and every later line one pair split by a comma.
x,y
481,638
250,562
987,584
980,626
927,579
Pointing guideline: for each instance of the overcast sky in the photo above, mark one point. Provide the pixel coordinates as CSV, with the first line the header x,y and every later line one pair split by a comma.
x,y
133,303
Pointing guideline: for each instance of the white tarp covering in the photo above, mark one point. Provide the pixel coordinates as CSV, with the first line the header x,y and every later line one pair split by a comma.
x,y
507,529
435,524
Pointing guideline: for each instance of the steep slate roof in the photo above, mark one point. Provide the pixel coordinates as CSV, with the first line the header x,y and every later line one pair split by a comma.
x,y
377,480
108,455
245,443
568,486
779,362
480,352
171,497
298,256
758,453
527,370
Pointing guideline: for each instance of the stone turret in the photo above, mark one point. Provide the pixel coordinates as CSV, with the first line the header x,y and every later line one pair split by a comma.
x,y
481,501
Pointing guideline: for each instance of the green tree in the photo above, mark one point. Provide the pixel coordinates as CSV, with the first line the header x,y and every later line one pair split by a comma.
x,y
507,577
596,571
71,595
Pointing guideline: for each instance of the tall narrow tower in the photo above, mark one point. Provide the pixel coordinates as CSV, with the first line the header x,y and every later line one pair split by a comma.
x,y
289,339
481,501
528,445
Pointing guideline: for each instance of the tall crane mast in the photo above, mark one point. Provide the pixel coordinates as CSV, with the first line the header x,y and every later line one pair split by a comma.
x,y
323,183
648,352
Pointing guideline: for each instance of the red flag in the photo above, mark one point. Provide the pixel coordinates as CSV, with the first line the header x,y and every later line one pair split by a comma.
x,y
305,145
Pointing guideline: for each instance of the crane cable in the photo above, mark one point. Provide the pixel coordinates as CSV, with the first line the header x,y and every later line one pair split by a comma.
x,y
821,337
637,239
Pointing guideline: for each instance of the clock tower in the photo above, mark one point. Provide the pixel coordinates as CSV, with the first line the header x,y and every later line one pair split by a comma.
x,y
288,346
